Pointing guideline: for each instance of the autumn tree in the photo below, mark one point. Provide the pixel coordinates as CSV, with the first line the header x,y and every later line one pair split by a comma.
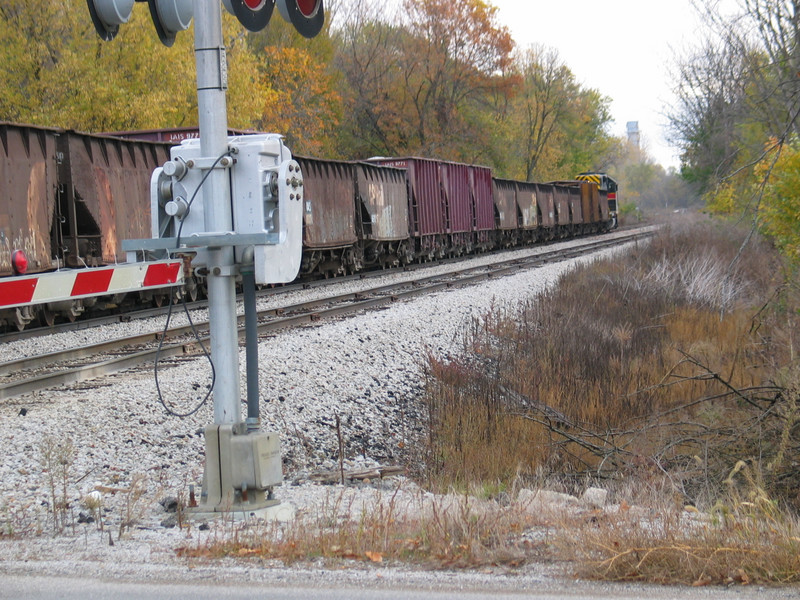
x,y
298,83
557,127
368,59
456,55
737,112
543,103
424,82
58,72
779,213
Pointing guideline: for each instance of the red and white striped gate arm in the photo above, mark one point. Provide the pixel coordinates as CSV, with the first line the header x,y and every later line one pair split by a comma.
x,y
85,283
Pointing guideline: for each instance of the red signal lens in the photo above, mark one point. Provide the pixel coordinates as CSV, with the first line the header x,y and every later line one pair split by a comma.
x,y
307,7
307,16
19,262
255,4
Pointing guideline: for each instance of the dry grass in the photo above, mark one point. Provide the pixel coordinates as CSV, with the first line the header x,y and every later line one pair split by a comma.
x,y
744,540
451,531
616,367
664,368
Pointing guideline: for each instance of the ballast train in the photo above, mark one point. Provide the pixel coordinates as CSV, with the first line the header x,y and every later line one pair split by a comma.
x,y
68,199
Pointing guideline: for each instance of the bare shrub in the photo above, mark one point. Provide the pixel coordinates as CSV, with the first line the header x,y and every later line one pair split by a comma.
x,y
744,539
133,505
675,358
57,456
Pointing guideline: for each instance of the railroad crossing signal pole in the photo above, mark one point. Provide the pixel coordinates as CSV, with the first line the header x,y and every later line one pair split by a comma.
x,y
211,102
237,201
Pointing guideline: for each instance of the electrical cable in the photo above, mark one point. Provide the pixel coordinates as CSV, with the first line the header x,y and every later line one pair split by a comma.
x,y
164,403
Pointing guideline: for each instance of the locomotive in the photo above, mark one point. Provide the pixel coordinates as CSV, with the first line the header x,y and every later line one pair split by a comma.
x,y
70,198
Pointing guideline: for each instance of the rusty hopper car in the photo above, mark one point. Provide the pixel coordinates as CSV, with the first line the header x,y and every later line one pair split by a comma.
x,y
505,210
563,217
382,206
518,211
329,220
589,208
427,210
29,172
527,211
483,206
607,189
451,209
576,210
590,200
70,198
545,208
105,183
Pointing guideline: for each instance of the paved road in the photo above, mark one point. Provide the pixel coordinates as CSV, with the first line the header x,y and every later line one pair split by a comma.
x,y
68,588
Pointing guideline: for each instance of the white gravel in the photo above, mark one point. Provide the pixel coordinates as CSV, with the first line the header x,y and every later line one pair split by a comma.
x,y
366,369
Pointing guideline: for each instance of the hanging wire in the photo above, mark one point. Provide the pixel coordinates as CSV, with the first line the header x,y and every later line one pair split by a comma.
x,y
161,398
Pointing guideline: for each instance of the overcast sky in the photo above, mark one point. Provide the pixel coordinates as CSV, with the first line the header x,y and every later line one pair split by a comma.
x,y
623,48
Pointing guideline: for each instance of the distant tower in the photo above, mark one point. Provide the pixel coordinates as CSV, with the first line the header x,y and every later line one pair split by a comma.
x,y
633,133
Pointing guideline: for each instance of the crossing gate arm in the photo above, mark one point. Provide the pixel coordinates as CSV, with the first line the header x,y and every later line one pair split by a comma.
x,y
86,283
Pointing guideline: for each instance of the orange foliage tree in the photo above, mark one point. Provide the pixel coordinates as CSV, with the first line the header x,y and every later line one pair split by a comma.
x,y
425,86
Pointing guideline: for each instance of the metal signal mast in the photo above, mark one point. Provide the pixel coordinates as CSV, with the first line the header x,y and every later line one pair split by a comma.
x,y
236,203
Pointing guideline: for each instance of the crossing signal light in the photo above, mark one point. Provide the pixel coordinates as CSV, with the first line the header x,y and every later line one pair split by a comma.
x,y
254,15
108,15
307,16
169,17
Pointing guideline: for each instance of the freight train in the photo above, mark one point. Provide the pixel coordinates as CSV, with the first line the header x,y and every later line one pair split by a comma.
x,y
69,198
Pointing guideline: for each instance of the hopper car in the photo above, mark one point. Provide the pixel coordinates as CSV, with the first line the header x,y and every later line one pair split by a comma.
x,y
69,198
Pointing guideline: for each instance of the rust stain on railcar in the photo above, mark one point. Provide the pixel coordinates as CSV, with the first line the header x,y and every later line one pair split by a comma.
x,y
382,192
505,201
329,197
108,179
525,197
28,181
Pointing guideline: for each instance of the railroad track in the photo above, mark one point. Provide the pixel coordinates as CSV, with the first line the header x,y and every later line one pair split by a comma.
x,y
69,366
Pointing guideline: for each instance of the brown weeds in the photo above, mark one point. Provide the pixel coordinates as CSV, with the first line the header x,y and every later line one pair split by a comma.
x,y
664,356
443,532
667,366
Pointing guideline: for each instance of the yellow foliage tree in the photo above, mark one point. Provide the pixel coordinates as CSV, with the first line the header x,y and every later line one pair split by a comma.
x,y
60,73
299,100
779,209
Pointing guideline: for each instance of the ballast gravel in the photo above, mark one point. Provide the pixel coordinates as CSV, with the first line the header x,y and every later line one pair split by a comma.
x,y
366,371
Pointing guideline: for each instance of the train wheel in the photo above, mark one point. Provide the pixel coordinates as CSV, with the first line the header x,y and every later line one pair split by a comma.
x,y
75,310
22,316
191,291
48,316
